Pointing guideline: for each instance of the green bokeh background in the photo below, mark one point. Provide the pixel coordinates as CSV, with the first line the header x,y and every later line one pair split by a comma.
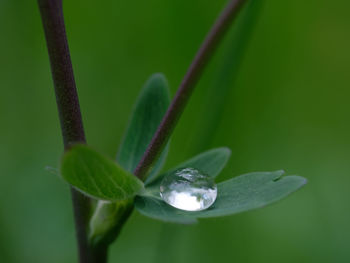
x,y
287,107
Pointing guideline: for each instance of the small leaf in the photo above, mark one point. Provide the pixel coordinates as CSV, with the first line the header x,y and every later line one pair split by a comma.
x,y
239,194
97,175
210,162
148,112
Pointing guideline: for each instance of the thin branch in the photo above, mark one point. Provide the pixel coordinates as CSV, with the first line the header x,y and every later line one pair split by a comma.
x,y
69,113
185,90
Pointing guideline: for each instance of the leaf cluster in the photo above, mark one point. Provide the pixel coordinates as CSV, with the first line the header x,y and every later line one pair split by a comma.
x,y
116,189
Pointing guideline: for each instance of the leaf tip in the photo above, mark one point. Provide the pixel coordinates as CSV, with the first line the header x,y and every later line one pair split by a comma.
x,y
302,180
157,78
158,75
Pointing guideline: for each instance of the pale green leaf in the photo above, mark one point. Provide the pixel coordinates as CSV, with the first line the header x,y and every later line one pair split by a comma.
x,y
239,194
210,163
148,112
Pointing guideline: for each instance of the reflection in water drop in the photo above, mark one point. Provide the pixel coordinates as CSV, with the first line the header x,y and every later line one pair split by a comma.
x,y
188,189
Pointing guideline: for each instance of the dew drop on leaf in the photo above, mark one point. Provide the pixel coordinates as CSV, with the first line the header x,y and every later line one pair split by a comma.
x,y
188,189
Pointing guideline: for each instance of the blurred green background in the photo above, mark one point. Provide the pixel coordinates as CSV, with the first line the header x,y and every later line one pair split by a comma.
x,y
287,107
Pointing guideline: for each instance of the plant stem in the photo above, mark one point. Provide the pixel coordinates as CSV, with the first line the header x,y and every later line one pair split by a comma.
x,y
70,116
187,86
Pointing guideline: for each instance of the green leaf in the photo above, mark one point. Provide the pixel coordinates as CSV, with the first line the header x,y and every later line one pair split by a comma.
x,y
210,162
97,176
148,112
239,194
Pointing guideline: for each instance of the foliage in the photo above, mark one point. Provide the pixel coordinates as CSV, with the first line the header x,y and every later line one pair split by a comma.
x,y
104,179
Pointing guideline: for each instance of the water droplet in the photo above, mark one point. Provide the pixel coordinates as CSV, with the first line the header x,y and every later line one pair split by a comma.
x,y
188,189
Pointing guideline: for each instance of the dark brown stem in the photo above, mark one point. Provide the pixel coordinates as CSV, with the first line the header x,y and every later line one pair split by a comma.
x,y
70,116
184,92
